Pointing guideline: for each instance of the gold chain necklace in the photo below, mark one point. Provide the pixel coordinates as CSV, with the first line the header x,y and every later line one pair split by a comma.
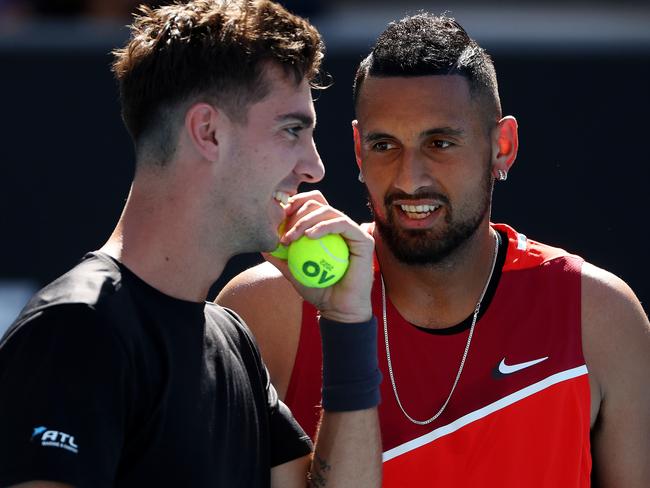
x,y
462,362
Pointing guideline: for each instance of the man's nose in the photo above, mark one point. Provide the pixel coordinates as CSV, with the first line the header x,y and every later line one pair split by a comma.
x,y
413,172
311,168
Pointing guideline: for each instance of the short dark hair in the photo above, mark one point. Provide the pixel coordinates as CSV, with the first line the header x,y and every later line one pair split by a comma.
x,y
216,49
425,44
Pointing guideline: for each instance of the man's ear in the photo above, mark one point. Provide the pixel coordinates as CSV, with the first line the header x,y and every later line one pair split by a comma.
x,y
505,144
202,127
357,142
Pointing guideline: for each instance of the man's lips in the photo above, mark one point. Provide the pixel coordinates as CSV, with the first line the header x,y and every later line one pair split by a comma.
x,y
418,211
416,214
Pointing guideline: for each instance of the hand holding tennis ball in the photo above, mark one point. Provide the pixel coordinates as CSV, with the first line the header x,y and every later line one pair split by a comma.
x,y
316,263
336,252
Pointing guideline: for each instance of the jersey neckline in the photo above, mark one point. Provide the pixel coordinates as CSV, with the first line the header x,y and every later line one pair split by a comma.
x,y
464,325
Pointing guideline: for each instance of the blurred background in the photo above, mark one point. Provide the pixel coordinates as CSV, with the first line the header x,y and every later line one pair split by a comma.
x,y
575,74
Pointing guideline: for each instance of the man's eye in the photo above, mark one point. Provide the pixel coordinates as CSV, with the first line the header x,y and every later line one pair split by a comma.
x,y
294,131
382,146
440,144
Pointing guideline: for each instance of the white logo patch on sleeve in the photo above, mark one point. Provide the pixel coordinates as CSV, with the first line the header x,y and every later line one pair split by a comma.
x,y
54,438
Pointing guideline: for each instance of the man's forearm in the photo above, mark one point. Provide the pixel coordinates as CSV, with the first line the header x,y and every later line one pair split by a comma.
x,y
348,450
348,444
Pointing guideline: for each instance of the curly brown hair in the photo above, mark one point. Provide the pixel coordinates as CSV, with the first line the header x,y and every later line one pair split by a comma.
x,y
214,50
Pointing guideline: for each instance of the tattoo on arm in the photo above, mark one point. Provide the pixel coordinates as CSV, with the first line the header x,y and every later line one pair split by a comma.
x,y
319,469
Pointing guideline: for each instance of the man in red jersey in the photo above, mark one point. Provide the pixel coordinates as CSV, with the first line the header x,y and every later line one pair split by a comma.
x,y
119,373
507,362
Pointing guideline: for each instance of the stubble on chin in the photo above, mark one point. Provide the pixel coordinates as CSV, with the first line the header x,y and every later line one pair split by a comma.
x,y
428,247
416,246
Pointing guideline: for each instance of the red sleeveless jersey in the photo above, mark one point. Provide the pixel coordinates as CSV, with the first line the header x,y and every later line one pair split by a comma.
x,y
520,414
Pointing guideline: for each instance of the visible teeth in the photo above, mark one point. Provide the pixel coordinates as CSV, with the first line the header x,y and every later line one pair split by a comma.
x,y
418,208
418,216
281,197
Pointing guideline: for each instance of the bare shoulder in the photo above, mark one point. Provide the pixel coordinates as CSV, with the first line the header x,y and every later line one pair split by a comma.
x,y
609,305
272,309
616,346
615,327
261,286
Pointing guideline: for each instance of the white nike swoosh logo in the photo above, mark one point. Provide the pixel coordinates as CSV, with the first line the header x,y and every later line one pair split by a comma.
x,y
513,368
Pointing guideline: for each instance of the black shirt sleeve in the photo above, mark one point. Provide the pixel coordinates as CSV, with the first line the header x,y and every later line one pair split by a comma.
x,y
288,440
62,399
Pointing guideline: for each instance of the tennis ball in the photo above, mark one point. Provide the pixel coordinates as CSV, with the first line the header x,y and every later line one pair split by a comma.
x,y
319,263
281,251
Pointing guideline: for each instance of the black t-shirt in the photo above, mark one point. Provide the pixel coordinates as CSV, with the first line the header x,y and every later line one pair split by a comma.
x,y
105,381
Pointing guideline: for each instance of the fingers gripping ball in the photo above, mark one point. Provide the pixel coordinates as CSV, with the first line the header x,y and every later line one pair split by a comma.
x,y
319,263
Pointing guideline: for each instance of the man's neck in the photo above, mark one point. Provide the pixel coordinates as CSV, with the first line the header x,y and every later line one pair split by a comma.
x,y
158,242
444,294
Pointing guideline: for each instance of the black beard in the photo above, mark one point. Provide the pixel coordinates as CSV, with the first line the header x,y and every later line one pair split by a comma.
x,y
428,247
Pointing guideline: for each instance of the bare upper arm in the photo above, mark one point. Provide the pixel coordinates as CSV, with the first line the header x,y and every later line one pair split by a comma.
x,y
272,309
616,345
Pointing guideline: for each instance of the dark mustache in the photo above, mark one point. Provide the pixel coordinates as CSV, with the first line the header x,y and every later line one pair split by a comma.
x,y
391,197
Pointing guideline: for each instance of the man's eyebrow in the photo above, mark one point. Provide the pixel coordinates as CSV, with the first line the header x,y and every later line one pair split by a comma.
x,y
375,136
446,131
304,119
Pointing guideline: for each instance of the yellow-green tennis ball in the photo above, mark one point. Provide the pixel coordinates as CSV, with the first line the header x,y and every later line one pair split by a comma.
x,y
319,263
281,252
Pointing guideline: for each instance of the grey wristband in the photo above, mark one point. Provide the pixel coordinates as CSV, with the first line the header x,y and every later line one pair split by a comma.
x,y
351,376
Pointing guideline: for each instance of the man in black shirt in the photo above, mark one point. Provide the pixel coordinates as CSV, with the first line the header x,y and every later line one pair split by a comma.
x,y
119,373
